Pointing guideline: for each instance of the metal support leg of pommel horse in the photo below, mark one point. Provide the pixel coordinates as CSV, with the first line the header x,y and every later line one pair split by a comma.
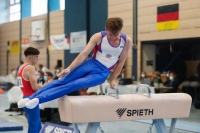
x,y
91,127
160,125
75,126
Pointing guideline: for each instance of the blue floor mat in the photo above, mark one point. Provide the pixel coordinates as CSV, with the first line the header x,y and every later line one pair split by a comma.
x,y
9,126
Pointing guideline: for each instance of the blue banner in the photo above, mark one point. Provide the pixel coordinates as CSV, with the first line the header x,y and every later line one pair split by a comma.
x,y
55,128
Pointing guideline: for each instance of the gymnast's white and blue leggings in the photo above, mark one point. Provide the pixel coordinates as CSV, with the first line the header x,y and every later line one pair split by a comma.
x,y
89,73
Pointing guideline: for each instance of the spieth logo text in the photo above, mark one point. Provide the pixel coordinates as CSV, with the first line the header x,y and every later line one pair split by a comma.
x,y
134,112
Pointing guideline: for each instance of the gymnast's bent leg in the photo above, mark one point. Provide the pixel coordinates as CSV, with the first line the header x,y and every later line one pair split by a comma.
x,y
85,82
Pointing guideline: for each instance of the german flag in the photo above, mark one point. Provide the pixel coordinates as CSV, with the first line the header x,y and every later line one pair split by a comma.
x,y
167,17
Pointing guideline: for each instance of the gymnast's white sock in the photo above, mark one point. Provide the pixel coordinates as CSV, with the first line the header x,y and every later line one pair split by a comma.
x,y
21,103
32,103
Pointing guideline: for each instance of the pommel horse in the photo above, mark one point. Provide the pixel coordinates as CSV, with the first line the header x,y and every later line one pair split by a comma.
x,y
104,108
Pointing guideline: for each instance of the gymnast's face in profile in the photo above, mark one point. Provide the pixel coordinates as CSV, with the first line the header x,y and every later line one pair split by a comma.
x,y
33,59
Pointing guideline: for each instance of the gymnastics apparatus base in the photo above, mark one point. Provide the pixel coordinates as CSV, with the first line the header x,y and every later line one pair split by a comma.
x,y
104,108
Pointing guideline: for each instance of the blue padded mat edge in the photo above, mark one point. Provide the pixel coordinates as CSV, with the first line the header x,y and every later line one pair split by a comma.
x,y
9,126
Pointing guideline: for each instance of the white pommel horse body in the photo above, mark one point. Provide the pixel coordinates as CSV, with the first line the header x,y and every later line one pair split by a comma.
x,y
105,108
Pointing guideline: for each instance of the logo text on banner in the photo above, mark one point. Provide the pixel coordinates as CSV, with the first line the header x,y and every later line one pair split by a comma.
x,y
59,42
55,128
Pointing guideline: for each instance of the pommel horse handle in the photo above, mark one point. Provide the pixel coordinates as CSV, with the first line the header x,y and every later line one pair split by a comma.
x,y
116,91
145,86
